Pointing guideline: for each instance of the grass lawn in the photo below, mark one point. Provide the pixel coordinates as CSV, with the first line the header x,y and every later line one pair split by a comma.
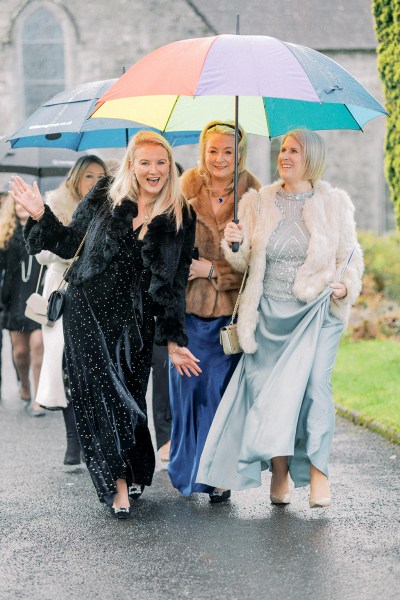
x,y
366,378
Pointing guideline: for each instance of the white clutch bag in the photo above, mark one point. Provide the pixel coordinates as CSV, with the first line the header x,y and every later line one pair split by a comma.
x,y
36,309
36,305
228,335
229,339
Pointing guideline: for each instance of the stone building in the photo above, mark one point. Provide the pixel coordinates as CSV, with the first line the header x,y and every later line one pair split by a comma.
x,y
50,45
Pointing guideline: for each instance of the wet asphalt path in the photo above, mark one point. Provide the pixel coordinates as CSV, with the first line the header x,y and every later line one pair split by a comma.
x,y
58,542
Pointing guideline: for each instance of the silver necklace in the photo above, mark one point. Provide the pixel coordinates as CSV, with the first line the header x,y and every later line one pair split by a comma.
x,y
26,275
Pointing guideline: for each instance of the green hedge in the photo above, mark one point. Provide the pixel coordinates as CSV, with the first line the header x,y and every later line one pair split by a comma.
x,y
382,262
387,27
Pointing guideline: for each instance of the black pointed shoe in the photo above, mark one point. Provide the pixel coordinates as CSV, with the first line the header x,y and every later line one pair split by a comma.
x,y
120,512
217,497
135,491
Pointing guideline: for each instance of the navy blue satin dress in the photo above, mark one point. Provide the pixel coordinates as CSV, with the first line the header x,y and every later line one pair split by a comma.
x,y
194,401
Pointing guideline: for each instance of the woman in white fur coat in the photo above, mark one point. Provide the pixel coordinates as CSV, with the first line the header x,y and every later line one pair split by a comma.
x,y
52,393
277,413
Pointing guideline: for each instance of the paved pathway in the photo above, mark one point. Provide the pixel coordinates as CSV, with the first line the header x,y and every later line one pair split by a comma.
x,y
58,542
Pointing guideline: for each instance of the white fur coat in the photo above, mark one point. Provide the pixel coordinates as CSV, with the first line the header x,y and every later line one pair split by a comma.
x,y
51,391
329,218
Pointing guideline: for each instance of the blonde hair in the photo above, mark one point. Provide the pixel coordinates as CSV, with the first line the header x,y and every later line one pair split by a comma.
x,y
75,174
125,184
226,128
64,199
313,148
8,221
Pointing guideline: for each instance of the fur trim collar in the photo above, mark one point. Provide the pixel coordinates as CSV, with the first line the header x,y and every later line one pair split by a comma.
x,y
195,191
61,203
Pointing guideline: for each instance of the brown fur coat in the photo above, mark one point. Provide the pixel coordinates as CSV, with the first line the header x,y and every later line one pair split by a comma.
x,y
215,298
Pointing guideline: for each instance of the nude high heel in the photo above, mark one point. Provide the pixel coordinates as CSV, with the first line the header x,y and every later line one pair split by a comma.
x,y
319,502
283,498
280,499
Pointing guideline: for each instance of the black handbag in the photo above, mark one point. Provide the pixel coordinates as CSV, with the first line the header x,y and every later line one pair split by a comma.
x,y
56,302
55,305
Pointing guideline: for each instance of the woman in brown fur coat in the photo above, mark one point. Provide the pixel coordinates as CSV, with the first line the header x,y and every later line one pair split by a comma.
x,y
212,291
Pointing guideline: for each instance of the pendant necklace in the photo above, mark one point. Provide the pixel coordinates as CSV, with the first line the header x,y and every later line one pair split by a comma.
x,y
220,198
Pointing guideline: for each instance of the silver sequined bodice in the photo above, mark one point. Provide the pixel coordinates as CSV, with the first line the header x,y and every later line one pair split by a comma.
x,y
287,247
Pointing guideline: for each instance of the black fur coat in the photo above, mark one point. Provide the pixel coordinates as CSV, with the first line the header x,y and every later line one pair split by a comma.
x,y
166,252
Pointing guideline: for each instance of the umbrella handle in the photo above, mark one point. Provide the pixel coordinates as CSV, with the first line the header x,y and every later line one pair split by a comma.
x,y
235,245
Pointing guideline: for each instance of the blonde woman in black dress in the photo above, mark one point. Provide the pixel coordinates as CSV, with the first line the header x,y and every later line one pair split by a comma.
x,y
133,267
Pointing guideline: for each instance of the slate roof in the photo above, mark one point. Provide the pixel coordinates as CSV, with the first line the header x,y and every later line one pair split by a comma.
x,y
320,24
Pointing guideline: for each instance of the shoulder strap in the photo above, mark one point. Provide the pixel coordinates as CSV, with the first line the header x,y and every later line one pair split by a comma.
x,y
73,261
239,294
39,278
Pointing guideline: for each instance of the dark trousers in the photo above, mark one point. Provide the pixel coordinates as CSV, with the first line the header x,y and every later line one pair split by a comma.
x,y
161,407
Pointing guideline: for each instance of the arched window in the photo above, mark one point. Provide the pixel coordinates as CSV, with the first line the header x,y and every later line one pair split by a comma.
x,y
42,58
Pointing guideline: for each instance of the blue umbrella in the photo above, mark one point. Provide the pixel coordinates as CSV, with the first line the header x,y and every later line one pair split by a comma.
x,y
62,122
49,167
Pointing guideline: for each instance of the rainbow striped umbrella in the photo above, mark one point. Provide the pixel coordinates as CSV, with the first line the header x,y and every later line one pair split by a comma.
x,y
183,85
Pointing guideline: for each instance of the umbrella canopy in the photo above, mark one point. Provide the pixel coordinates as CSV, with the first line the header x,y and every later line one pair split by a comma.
x,y
48,166
282,86
62,122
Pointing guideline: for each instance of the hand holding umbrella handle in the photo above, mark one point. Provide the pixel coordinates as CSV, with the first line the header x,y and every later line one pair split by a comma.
x,y
233,234
28,196
235,245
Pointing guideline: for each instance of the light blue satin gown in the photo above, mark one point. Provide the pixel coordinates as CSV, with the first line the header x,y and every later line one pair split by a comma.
x,y
279,401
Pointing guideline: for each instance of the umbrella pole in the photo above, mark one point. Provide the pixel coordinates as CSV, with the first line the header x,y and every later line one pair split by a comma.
x,y
235,245
126,130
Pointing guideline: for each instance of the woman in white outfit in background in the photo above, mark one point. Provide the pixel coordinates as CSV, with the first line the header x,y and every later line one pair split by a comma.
x,y
53,385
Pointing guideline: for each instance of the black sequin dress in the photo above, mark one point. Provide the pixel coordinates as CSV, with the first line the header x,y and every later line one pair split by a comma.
x,y
108,343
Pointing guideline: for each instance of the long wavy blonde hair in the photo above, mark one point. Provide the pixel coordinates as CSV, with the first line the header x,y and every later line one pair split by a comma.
x,y
64,200
227,128
8,221
125,184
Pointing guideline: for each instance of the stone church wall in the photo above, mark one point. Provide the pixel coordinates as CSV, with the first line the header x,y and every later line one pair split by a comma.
x,y
102,37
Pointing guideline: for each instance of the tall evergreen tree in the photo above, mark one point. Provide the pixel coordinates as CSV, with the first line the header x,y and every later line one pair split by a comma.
x,y
387,27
